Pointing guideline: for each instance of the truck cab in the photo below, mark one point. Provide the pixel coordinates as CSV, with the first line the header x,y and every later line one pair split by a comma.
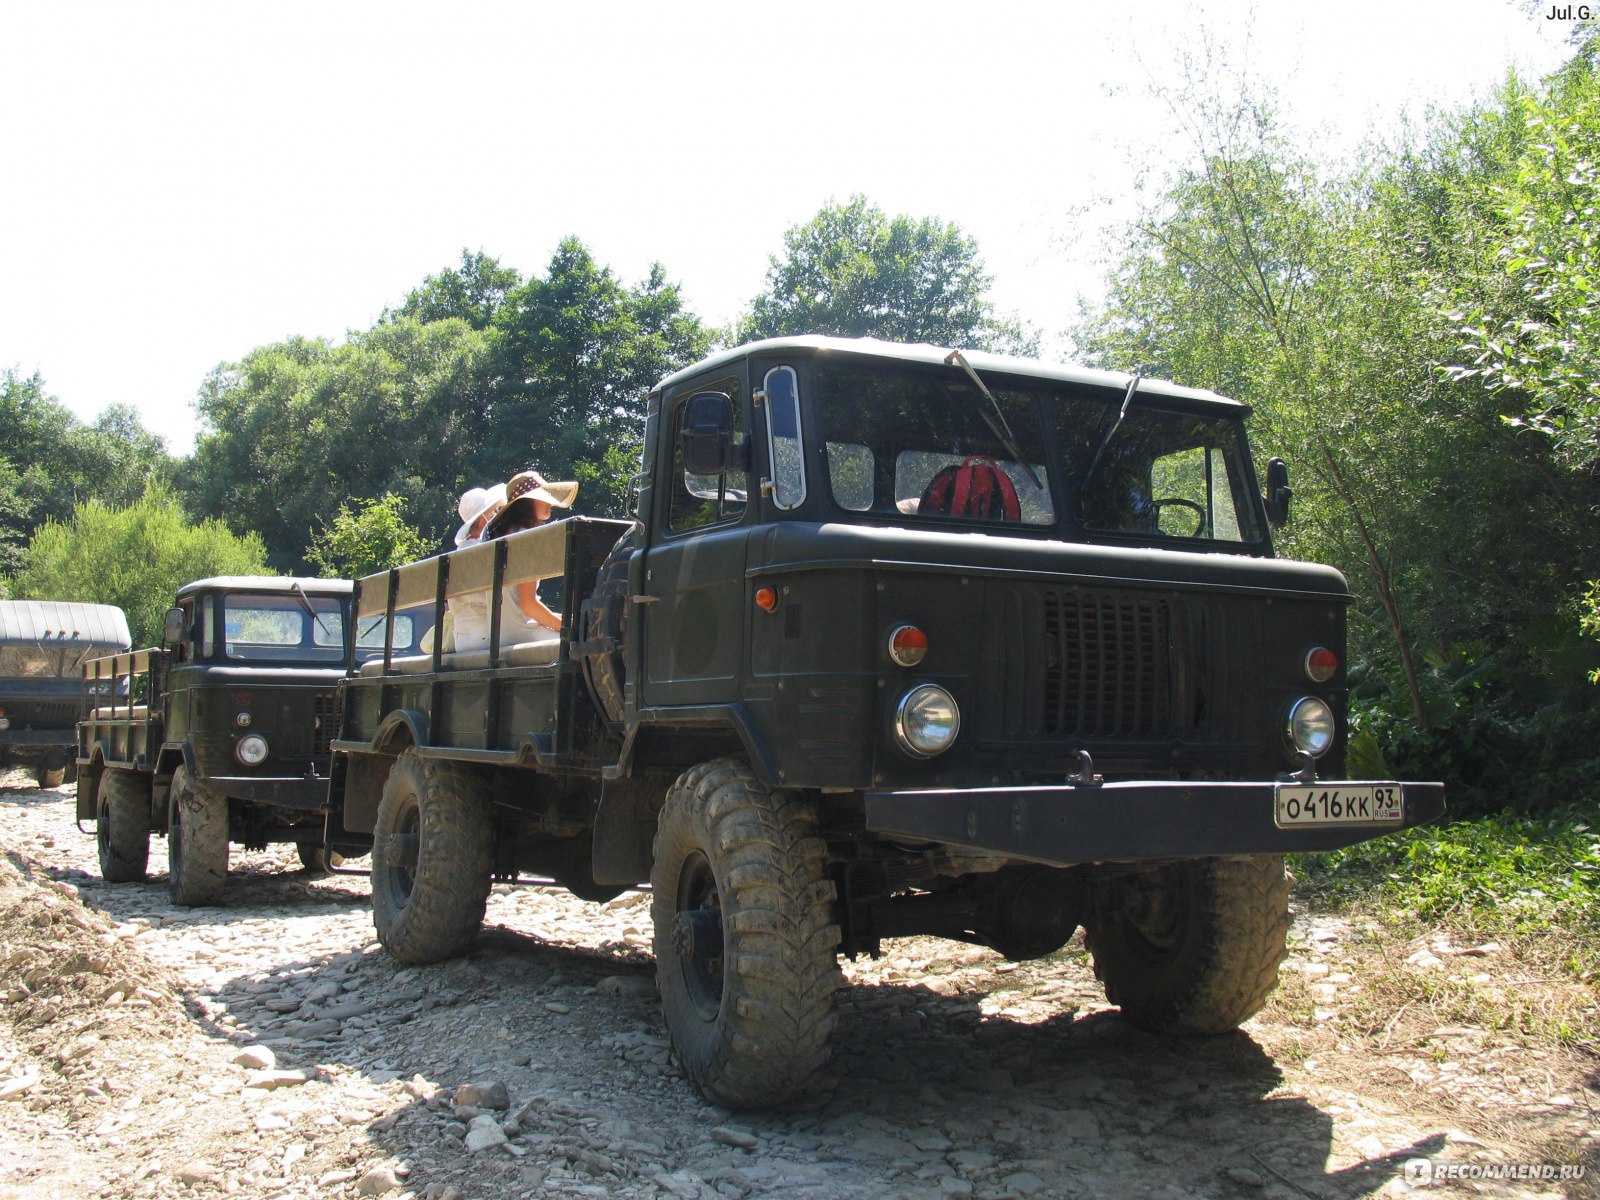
x,y
221,734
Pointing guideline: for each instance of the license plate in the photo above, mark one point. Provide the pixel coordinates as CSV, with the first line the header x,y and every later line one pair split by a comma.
x,y
1332,804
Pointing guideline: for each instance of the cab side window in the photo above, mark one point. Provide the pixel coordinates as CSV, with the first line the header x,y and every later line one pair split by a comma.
x,y
697,501
206,627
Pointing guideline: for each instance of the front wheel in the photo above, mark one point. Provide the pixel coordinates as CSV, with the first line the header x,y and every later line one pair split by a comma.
x,y
431,855
1193,947
50,777
745,940
197,842
122,826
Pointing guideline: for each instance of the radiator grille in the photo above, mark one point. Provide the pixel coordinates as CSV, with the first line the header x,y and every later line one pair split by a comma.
x,y
1108,669
327,714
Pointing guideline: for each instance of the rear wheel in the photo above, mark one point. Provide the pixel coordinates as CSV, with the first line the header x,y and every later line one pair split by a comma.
x,y
50,777
122,826
431,848
1193,947
197,842
745,941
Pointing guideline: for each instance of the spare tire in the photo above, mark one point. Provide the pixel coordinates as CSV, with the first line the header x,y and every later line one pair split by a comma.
x,y
605,631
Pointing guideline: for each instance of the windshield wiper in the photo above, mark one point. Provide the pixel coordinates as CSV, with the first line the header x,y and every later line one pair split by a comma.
x,y
305,603
1002,430
1127,403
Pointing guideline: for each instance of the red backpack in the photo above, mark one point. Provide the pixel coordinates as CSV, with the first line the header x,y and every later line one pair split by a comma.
x,y
977,488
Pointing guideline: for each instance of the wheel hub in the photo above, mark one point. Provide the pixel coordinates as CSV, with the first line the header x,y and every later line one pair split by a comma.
x,y
697,934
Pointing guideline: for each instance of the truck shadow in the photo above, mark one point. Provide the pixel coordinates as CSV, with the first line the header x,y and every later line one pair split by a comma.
x,y
922,1086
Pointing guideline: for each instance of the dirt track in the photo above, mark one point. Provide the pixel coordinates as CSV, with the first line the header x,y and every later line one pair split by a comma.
x,y
538,1066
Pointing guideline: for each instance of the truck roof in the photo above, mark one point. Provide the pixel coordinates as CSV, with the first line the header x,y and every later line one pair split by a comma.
x,y
268,583
981,360
63,621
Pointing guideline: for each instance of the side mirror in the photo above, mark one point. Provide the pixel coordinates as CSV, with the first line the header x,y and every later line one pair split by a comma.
x,y
172,628
1278,493
707,434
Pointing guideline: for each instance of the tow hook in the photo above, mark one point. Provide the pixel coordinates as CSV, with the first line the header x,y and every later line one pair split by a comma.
x,y
1085,776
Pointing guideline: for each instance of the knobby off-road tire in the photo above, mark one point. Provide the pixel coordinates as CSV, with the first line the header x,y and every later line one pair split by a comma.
x,y
197,842
606,618
1196,945
431,855
122,826
750,1027
50,777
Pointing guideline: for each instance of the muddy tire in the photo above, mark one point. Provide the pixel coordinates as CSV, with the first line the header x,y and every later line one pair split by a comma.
x,y
605,625
50,777
197,842
1195,946
431,855
745,940
122,826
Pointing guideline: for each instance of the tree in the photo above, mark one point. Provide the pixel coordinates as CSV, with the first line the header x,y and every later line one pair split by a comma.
x,y
49,460
474,292
299,428
577,351
371,538
135,557
854,272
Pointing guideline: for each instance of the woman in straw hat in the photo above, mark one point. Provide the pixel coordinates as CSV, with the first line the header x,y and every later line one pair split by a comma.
x,y
530,500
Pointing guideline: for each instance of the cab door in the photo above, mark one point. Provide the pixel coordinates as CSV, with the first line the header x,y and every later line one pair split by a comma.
x,y
693,611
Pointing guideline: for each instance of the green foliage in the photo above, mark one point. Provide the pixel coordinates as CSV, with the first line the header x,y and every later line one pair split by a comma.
x,y
298,428
576,352
135,557
49,460
373,537
1537,338
854,272
476,377
1500,873
472,293
1320,297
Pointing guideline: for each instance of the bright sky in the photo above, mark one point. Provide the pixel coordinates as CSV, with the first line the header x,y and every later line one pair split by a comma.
x,y
187,181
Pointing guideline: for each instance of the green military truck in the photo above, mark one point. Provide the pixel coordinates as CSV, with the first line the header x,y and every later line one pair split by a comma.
x,y
900,641
43,644
220,735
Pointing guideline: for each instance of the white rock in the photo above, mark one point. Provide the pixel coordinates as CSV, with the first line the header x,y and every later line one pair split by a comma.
x,y
256,1058
377,1181
484,1132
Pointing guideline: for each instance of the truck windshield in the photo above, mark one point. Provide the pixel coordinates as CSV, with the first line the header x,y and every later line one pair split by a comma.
x,y
290,629
908,441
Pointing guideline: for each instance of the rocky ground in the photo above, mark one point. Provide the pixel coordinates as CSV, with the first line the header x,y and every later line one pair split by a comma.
x,y
270,1048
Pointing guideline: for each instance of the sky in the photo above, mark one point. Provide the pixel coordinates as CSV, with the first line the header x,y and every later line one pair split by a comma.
x,y
188,181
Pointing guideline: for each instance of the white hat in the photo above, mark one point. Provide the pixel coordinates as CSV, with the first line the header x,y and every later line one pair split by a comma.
x,y
476,503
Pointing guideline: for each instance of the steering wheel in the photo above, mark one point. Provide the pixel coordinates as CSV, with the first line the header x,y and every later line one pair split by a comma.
x,y
1199,512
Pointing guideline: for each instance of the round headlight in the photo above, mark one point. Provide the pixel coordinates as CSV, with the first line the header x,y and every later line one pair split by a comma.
x,y
251,750
927,721
1311,726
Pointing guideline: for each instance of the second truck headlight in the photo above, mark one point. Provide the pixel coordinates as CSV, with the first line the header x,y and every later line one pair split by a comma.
x,y
927,720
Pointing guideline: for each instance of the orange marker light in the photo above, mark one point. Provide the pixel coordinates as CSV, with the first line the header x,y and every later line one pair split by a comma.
x,y
908,645
1321,665
766,598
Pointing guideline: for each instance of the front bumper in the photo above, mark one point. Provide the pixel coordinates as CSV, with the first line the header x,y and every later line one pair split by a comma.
x,y
1125,822
308,792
